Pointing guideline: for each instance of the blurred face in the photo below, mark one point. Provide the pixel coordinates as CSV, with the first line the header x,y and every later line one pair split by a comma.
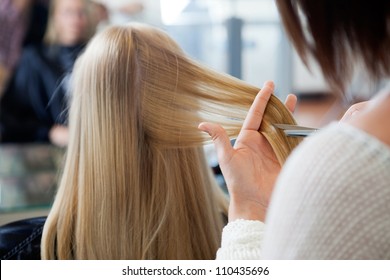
x,y
71,22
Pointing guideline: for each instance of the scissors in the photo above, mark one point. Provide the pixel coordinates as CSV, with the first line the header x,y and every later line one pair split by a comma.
x,y
295,130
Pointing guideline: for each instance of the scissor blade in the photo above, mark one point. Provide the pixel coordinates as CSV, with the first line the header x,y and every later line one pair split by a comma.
x,y
293,127
298,133
295,130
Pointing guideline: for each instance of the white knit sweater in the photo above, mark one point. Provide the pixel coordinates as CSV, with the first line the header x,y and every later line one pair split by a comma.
x,y
331,201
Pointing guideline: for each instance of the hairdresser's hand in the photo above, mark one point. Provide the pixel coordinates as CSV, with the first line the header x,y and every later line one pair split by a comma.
x,y
372,116
354,110
250,168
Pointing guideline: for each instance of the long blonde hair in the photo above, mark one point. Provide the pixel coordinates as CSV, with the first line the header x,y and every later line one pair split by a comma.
x,y
136,184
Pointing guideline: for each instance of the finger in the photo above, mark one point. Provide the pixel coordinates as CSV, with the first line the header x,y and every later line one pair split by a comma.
x,y
291,102
354,109
256,112
220,138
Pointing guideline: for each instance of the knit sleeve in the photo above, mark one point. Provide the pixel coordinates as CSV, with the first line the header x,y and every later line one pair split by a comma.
x,y
332,199
241,239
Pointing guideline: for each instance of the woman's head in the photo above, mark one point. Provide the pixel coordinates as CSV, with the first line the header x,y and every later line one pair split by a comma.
x,y
70,22
140,71
135,169
339,33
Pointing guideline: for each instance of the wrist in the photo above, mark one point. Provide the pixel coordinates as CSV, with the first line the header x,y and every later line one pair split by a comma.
x,y
246,210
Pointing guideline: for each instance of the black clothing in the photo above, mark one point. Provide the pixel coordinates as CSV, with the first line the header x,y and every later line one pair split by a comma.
x,y
35,98
21,240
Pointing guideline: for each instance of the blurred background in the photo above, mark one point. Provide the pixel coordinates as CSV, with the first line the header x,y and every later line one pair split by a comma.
x,y
40,39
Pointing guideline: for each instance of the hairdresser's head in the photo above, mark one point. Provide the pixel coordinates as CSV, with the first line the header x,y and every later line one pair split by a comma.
x,y
70,22
339,33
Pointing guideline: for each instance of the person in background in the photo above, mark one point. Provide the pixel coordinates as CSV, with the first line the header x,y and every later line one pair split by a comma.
x,y
13,21
22,22
332,198
32,108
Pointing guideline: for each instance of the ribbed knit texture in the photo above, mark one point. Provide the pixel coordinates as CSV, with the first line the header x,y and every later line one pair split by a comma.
x,y
332,201
241,240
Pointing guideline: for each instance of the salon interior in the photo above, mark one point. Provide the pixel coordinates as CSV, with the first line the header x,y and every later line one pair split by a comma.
x,y
243,38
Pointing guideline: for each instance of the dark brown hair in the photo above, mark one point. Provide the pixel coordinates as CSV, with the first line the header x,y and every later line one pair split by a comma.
x,y
341,32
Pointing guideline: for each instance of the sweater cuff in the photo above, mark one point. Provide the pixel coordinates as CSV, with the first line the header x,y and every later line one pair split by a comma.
x,y
241,240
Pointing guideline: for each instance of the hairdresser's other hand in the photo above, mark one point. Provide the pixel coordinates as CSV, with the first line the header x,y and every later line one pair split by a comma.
x,y
372,116
250,168
354,110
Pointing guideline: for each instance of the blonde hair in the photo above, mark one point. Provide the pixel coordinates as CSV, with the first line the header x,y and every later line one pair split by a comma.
x,y
51,33
136,184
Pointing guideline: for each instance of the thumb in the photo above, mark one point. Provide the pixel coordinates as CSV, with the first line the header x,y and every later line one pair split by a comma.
x,y
220,138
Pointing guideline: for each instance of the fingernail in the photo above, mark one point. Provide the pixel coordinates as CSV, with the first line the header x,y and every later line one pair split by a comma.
x,y
354,112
